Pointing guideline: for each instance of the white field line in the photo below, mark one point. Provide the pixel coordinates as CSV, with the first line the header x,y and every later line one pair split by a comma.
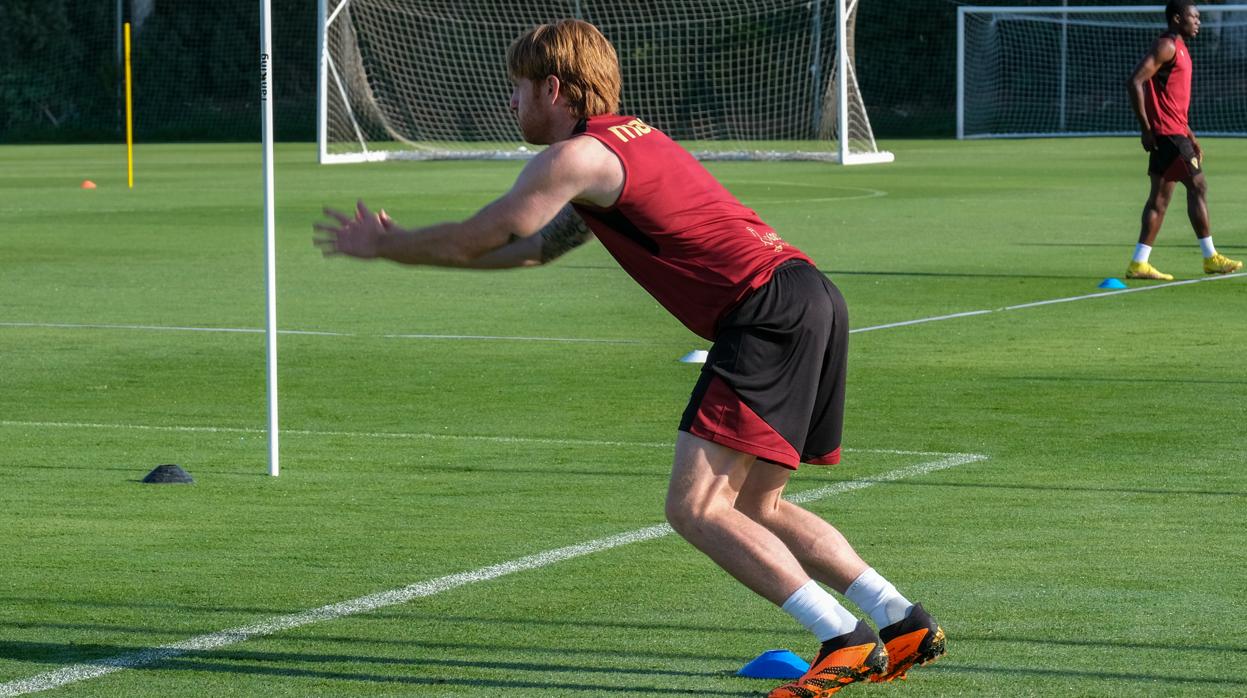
x,y
486,337
165,328
1053,301
594,340
919,321
204,643
669,445
317,333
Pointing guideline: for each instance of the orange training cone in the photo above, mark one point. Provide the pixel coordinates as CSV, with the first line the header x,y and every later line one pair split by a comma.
x,y
88,184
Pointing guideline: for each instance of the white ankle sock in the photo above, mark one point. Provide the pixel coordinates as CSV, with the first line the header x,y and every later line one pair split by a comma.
x,y
1142,252
1205,246
819,612
878,598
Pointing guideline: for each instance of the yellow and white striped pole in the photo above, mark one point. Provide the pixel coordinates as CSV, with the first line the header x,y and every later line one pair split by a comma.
x,y
129,114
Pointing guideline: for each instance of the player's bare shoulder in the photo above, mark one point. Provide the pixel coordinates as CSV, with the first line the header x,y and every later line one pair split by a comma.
x,y
1160,54
1164,48
592,163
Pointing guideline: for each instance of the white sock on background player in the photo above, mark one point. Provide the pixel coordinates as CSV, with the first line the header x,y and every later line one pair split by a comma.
x,y
1205,246
1141,253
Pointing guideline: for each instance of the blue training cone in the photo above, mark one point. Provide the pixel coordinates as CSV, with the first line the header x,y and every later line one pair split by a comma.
x,y
775,664
1112,283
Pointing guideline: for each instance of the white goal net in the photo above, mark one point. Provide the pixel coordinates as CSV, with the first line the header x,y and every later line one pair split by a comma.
x,y
1062,71
730,79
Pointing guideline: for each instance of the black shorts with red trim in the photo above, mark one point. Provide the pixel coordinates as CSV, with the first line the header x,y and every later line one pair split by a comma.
x,y
773,383
1174,159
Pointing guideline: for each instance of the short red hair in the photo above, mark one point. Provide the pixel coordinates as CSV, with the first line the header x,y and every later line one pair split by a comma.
x,y
576,53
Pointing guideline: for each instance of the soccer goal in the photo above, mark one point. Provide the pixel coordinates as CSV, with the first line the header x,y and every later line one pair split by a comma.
x,y
1061,71
748,79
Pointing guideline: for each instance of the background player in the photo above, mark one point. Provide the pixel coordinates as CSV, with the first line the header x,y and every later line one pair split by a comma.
x,y
772,393
1160,94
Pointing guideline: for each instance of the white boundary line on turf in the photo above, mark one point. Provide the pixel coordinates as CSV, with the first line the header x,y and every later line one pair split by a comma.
x,y
580,340
594,340
313,333
364,604
1118,292
919,321
400,435
165,328
1053,301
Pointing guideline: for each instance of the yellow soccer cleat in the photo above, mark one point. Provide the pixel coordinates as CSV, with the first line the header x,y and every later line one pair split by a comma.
x,y
1143,270
1220,264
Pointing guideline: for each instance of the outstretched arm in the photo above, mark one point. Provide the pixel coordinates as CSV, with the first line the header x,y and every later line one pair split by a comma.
x,y
558,237
578,169
1162,51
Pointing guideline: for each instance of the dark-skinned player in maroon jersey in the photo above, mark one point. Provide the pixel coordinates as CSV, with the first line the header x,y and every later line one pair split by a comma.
x,y
771,395
1160,94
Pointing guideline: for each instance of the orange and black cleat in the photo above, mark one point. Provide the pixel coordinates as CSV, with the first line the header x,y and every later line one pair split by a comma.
x,y
917,639
842,660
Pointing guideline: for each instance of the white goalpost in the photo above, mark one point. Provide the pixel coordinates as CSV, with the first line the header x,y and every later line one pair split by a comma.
x,y
739,79
1025,72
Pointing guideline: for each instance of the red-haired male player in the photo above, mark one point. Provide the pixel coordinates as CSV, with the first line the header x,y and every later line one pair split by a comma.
x,y
1160,94
771,395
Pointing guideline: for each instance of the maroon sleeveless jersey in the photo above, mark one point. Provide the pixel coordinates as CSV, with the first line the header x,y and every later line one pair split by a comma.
x,y
1169,93
676,230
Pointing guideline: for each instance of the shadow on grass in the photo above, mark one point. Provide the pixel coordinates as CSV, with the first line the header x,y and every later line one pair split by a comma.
x,y
917,274
11,601
1062,488
262,664
265,477
613,651
1167,679
1105,644
1126,381
1127,244
705,630
476,683
256,474
708,631
60,653
833,273
277,664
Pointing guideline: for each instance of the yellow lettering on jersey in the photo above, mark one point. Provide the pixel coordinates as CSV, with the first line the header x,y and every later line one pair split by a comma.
x,y
632,130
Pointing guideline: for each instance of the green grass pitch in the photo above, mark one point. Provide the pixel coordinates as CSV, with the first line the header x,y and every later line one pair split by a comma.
x,y
443,422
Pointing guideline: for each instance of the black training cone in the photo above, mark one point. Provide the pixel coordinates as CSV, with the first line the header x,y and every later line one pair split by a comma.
x,y
168,473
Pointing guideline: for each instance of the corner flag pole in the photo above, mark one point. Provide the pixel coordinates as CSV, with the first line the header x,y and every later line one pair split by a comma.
x,y
270,247
129,114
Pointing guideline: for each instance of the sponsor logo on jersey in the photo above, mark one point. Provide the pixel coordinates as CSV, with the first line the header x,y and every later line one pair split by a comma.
x,y
770,239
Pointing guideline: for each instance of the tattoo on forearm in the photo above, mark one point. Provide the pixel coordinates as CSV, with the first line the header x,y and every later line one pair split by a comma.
x,y
561,235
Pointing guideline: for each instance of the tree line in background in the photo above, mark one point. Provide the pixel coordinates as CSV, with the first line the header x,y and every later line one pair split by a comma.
x,y
195,70
196,73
